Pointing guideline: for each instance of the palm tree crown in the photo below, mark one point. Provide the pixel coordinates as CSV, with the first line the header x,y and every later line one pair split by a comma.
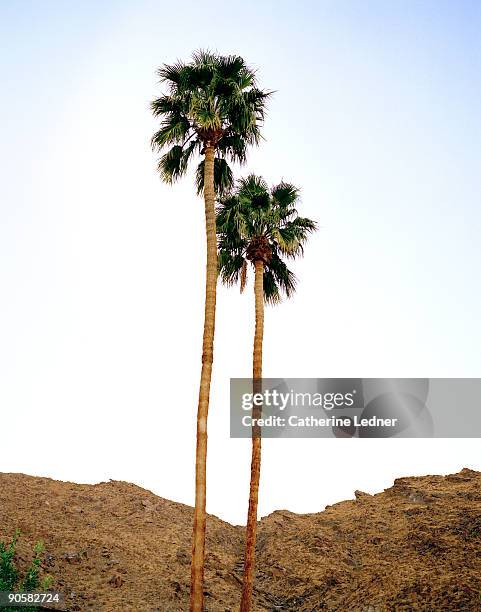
x,y
258,223
211,101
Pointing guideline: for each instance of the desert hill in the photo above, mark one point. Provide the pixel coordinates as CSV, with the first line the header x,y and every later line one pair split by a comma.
x,y
115,547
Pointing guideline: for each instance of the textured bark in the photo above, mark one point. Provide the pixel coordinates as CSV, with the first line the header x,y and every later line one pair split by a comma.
x,y
251,529
198,540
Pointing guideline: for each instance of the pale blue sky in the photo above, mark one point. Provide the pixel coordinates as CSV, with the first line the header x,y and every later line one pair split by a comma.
x,y
376,117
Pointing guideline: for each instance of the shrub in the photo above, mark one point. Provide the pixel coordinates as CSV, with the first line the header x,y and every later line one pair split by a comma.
x,y
9,575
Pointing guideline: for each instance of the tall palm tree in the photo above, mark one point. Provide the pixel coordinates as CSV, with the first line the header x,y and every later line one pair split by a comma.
x,y
259,225
213,109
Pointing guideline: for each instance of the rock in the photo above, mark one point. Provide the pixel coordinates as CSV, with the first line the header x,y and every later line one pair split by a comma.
x,y
113,561
182,557
361,495
116,581
49,560
72,557
147,505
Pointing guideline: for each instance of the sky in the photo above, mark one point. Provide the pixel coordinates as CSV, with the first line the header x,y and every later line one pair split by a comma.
x,y
376,117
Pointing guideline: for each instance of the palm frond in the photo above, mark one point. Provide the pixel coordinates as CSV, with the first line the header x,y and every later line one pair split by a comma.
x,y
243,276
171,74
271,289
231,218
285,194
171,165
166,105
203,57
233,67
285,278
174,130
252,184
223,177
292,236
230,266
234,146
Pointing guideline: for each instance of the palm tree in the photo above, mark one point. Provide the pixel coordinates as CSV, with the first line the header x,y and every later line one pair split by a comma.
x,y
213,109
259,225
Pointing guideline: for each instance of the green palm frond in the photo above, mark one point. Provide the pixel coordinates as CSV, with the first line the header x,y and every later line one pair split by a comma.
x,y
252,185
234,146
203,58
230,266
171,165
285,194
174,130
292,236
285,279
232,68
166,105
223,177
231,216
171,74
271,288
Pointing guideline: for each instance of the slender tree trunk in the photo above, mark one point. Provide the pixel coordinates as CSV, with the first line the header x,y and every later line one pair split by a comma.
x,y
251,530
198,540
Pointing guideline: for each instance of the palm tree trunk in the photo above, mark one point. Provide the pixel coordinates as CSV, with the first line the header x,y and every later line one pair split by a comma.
x,y
198,540
251,530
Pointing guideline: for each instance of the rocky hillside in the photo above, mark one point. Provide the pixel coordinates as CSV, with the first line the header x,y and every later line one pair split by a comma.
x,y
114,547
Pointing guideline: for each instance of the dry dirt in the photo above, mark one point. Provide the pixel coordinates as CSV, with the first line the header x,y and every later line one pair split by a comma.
x,y
116,547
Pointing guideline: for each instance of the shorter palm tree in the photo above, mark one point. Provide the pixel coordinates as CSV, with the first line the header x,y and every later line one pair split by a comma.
x,y
259,225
